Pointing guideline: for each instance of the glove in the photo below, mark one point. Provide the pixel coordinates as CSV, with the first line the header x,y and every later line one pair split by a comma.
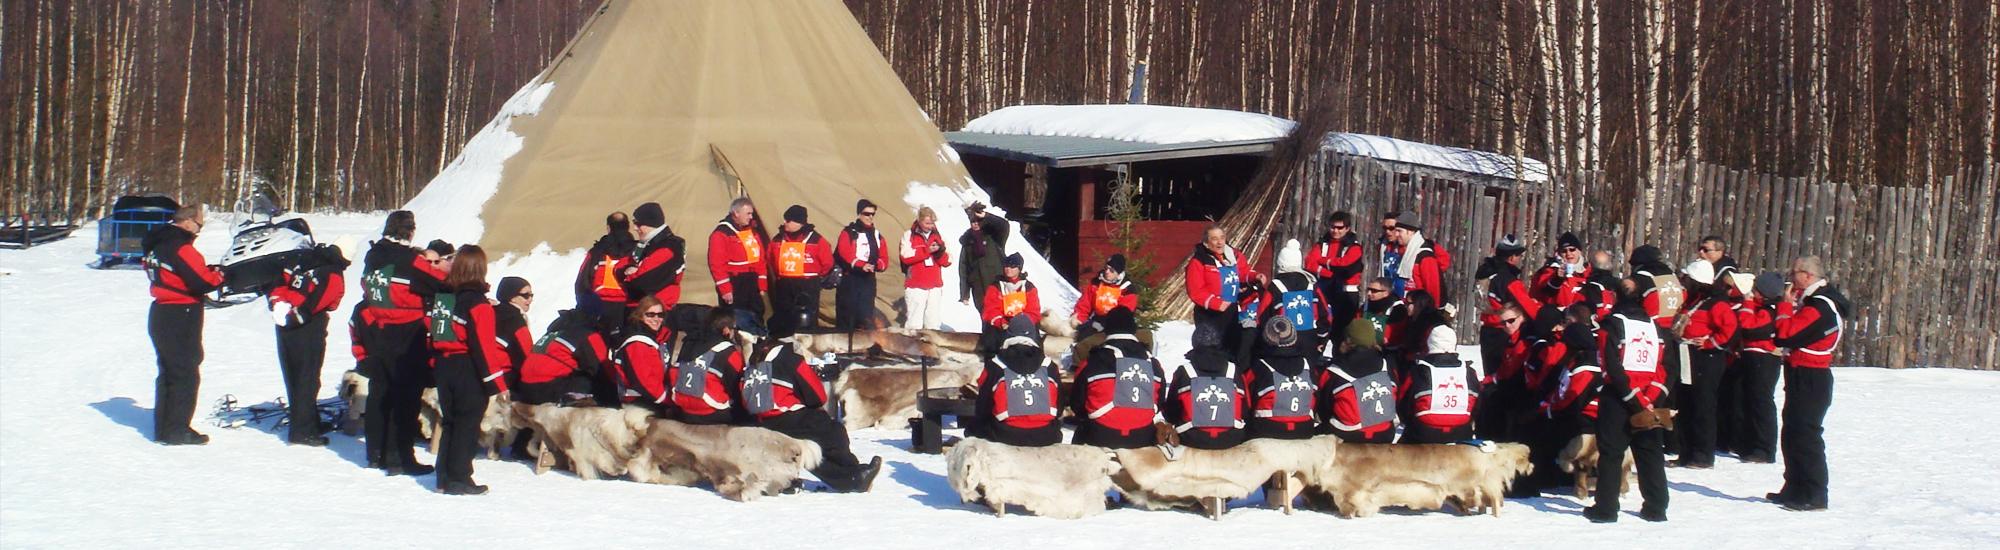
x,y
281,313
1165,436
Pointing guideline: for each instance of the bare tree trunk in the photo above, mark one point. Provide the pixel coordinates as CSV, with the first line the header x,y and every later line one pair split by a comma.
x,y
244,175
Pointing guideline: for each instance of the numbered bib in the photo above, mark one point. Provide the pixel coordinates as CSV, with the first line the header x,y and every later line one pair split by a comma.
x,y
1013,303
791,259
1300,309
1671,296
1214,402
1375,398
607,275
1227,273
1640,348
751,251
1449,392
441,318
1292,396
1107,298
757,395
691,378
1028,394
1135,386
375,285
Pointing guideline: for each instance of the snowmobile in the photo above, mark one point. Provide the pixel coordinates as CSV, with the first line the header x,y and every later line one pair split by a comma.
x,y
259,253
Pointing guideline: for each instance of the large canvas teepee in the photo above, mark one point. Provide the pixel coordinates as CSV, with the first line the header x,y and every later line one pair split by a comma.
x,y
691,103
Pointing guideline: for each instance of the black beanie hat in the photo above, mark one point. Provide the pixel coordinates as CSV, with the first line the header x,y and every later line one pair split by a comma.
x,y
1118,321
1116,263
649,215
1509,245
1645,255
440,247
1013,260
795,214
1569,239
509,288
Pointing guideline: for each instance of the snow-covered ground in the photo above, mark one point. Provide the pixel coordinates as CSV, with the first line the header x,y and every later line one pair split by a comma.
x,y
1912,459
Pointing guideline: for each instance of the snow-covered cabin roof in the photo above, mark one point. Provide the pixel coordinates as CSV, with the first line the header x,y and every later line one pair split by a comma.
x,y
1435,156
1158,124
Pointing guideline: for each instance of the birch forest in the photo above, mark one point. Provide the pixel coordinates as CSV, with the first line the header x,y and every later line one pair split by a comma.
x,y
354,104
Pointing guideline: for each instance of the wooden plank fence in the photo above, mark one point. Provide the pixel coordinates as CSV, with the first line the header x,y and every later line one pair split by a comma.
x,y
1918,263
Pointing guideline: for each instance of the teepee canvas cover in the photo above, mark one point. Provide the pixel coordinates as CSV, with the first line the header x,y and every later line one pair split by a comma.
x,y
689,103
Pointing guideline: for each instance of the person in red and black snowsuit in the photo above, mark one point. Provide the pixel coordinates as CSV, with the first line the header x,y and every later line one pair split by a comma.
x,y
397,279
179,277
801,259
1500,343
567,365
1423,261
1717,254
1409,324
1758,362
704,380
511,319
1294,294
659,259
1206,401
1336,261
736,259
1107,292
1013,307
1216,278
311,289
1627,418
470,363
784,394
1118,390
1015,397
642,357
601,280
1563,374
1357,391
1280,384
1810,325
1661,294
1709,333
861,254
1439,392
1560,281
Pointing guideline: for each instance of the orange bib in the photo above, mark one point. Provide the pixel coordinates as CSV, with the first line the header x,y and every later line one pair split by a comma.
x,y
751,252
1107,298
607,275
1013,303
791,259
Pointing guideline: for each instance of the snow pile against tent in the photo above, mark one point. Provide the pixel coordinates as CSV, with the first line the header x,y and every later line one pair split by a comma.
x,y
448,207
1436,156
1159,124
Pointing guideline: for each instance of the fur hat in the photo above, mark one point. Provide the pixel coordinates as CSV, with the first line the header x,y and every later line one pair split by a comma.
x,y
795,214
649,215
1013,260
1279,333
1700,271
1442,340
1509,245
1289,259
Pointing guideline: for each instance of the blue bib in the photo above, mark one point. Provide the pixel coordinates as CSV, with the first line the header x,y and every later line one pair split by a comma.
x,y
1300,309
1228,275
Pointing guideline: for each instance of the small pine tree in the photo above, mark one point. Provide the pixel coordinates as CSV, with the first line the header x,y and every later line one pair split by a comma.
x,y
1139,267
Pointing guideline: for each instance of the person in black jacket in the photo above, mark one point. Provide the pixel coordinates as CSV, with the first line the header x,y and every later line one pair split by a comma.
x,y
785,394
1117,392
180,276
398,280
1015,397
861,253
600,281
312,287
1206,401
470,367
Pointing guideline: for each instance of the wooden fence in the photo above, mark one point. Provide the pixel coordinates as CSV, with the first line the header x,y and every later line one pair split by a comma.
x,y
1918,263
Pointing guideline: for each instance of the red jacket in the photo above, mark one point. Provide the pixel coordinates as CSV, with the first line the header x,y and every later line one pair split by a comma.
x,y
735,251
178,272
1006,299
707,396
561,355
310,292
642,367
1577,391
604,275
395,283
795,386
1100,297
1097,400
801,255
1713,323
922,269
847,252
471,331
1265,380
1204,279
661,262
1503,289
1428,275
1756,327
1339,262
354,323
1812,328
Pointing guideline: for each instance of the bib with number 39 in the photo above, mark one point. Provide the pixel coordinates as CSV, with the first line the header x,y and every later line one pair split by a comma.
x,y
1640,347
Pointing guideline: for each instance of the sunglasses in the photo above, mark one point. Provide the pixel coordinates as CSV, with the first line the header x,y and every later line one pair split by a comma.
x,y
1340,228
528,295
1378,291
654,315
1569,249
868,214
1510,321
1705,250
